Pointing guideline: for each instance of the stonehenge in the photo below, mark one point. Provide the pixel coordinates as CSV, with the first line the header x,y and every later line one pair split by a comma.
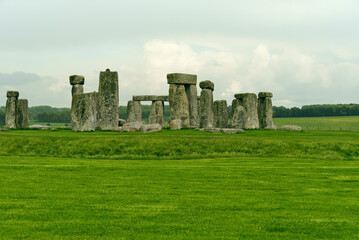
x,y
183,100
96,110
16,113
206,107
99,110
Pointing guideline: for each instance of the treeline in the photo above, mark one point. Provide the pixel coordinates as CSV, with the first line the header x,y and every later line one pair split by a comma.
x,y
317,110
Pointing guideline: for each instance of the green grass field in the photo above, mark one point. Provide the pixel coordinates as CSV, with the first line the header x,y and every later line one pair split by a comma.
x,y
186,184
349,123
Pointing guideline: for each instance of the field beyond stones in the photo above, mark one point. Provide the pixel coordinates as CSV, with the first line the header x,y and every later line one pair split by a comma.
x,y
183,184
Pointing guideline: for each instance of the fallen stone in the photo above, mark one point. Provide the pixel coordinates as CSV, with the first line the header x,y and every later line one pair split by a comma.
x,y
132,126
212,130
291,128
231,130
207,85
175,124
121,122
41,127
151,128
150,98
181,78
273,127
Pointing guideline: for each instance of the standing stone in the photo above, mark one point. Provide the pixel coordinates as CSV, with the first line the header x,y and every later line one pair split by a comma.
x,y
206,109
199,105
77,83
179,106
237,115
191,91
157,114
22,116
83,112
249,102
134,111
265,112
220,114
108,101
11,109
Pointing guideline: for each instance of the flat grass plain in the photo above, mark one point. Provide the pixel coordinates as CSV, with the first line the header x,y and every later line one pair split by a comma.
x,y
186,184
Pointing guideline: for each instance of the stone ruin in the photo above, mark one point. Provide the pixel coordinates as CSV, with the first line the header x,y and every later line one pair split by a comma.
x,y
99,110
96,110
16,113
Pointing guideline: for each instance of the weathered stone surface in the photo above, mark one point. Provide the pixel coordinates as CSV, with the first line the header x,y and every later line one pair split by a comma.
x,y
11,109
77,89
220,114
133,126
206,109
291,128
108,101
175,124
134,111
41,127
121,122
271,128
151,128
84,112
181,78
207,85
249,102
22,115
191,91
231,130
265,112
238,115
14,94
150,98
265,95
157,113
211,130
77,80
179,106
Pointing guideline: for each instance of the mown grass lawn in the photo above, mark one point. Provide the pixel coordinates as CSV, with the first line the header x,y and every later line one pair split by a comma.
x,y
179,185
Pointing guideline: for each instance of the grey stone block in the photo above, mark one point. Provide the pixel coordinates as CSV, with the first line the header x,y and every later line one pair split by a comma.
x,y
191,91
175,124
84,112
108,101
179,106
14,94
151,128
157,113
206,109
207,85
265,112
249,102
291,128
220,114
77,80
134,111
11,109
22,116
265,95
181,78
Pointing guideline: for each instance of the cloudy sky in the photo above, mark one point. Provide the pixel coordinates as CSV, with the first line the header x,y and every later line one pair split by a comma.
x,y
304,51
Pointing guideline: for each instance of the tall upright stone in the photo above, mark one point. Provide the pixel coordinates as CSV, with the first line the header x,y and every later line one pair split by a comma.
x,y
237,115
249,102
265,112
157,114
134,111
183,100
77,83
108,101
206,108
11,109
191,91
84,112
220,114
22,115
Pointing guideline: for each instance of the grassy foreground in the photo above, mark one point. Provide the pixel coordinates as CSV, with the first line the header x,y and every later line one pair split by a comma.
x,y
179,185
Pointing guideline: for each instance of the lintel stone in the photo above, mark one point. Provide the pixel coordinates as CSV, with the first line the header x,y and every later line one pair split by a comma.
x,y
243,95
150,98
265,94
12,94
181,78
207,85
77,80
